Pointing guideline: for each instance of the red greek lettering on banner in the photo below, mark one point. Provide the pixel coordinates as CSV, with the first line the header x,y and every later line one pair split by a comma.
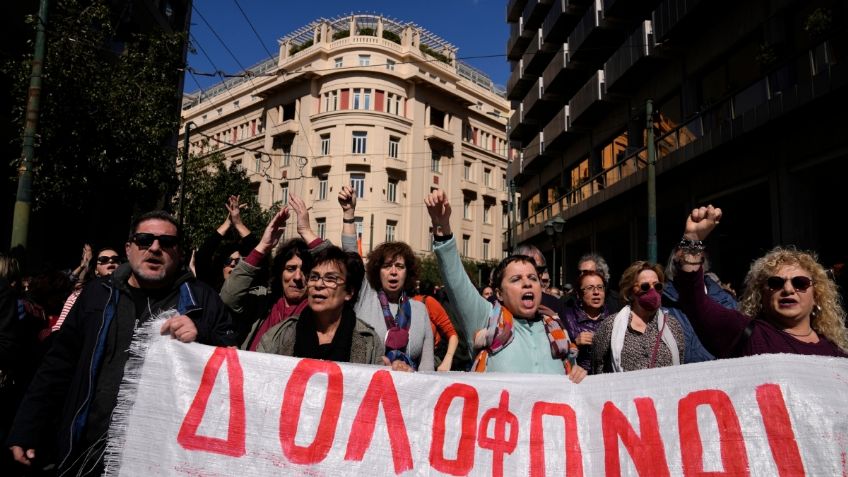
x,y
647,451
233,445
290,411
464,461
499,443
781,437
381,391
734,458
573,454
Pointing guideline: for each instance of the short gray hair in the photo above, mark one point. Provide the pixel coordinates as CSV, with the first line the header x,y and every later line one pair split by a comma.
x,y
671,266
531,251
600,264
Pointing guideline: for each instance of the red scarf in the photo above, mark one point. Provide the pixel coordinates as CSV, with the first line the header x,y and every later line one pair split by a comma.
x,y
281,311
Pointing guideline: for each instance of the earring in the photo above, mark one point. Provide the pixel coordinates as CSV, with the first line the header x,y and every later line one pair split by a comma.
x,y
816,311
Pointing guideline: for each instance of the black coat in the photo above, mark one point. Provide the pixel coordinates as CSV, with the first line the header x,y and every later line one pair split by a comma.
x,y
91,348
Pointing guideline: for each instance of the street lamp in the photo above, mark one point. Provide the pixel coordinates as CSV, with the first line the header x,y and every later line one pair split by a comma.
x,y
554,228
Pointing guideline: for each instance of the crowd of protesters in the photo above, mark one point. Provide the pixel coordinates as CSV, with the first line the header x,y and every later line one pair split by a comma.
x,y
64,337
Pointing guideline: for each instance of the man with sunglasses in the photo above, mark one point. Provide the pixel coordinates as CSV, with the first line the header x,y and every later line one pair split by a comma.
x,y
77,383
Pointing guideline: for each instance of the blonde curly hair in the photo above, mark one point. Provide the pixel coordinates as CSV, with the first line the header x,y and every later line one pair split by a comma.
x,y
829,321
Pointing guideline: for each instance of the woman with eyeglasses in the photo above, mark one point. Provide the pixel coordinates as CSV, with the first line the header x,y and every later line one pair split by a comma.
x,y
641,335
789,304
586,315
328,328
516,334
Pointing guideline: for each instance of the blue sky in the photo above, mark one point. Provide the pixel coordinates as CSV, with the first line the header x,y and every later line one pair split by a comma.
x,y
476,27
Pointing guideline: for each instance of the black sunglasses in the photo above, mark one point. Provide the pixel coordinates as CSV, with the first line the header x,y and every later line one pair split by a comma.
x,y
799,283
104,259
145,240
646,287
232,262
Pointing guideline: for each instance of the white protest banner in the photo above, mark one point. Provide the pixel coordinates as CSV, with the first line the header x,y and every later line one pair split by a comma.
x,y
202,411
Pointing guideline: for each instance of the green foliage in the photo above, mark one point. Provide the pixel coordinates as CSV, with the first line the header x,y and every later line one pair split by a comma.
x,y
478,272
367,32
391,36
818,22
109,111
296,48
429,51
341,34
209,183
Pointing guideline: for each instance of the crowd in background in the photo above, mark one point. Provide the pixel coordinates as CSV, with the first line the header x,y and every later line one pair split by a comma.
x,y
64,335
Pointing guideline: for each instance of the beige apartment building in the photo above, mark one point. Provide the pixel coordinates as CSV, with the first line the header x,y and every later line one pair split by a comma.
x,y
382,105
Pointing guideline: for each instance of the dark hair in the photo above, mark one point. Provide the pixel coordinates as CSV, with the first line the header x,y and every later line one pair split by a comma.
x,y
390,251
631,274
293,248
426,287
92,264
498,274
155,215
349,262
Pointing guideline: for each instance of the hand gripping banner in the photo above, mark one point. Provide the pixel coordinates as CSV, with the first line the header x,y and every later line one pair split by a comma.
x,y
189,409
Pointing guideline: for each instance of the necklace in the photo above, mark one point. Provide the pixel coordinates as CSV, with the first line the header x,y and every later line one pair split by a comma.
x,y
800,335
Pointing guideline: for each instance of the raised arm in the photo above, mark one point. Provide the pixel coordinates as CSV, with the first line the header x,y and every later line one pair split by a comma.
x,y
470,306
347,201
304,227
234,208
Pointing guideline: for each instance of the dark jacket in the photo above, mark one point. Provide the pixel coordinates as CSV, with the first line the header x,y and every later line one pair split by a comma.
x,y
695,350
77,383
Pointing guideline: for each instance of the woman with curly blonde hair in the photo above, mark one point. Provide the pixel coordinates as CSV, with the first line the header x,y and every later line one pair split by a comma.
x,y
789,305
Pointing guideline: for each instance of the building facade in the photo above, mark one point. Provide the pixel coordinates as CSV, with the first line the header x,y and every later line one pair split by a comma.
x,y
746,102
378,104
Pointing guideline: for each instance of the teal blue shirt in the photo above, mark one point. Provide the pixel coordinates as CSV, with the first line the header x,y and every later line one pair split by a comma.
x,y
530,350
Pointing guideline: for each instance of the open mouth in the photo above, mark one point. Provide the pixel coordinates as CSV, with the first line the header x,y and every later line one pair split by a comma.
x,y
527,299
318,297
787,302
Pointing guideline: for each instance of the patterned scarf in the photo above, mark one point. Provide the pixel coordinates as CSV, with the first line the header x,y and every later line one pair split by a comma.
x,y
397,336
498,335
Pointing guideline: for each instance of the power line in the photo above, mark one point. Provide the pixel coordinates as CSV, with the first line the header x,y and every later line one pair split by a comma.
x,y
270,55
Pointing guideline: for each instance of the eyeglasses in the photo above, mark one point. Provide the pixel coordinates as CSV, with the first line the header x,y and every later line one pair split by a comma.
x,y
232,262
329,281
646,287
799,283
593,288
145,240
104,259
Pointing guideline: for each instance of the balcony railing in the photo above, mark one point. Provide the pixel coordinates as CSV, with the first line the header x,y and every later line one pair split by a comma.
x,y
535,149
437,133
558,130
538,54
514,9
761,101
561,19
519,38
284,128
669,15
636,48
534,13
590,94
591,20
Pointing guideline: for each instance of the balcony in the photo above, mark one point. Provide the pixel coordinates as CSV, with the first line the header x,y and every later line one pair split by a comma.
x,y
590,102
521,129
594,38
435,133
515,169
628,8
562,76
539,106
672,17
561,19
558,133
534,13
534,153
519,82
538,54
514,9
630,66
519,38
285,128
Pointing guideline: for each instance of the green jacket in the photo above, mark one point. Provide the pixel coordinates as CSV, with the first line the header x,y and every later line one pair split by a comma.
x,y
365,348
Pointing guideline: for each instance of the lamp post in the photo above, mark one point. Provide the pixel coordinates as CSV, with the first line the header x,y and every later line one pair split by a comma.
x,y
554,228
183,177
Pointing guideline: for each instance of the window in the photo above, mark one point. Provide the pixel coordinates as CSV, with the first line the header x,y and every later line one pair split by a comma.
x,y
322,227
466,245
466,171
485,249
357,182
288,111
391,227
391,190
393,104
436,162
466,209
487,214
505,216
504,183
325,144
367,99
487,177
364,60
360,228
437,117
322,187
284,193
286,155
394,146
390,64
258,162
334,101
357,95
360,139
339,62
